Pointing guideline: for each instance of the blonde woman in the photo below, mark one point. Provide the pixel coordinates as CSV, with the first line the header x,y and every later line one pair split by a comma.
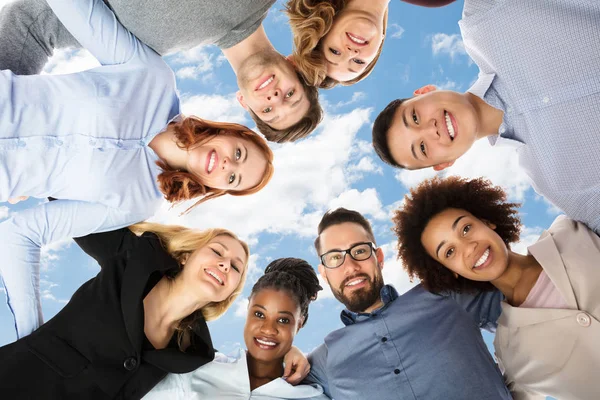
x,y
142,316
338,42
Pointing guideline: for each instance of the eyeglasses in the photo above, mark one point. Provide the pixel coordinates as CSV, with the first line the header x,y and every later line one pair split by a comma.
x,y
359,252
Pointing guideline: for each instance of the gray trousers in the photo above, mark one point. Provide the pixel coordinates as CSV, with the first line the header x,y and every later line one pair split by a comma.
x,y
29,33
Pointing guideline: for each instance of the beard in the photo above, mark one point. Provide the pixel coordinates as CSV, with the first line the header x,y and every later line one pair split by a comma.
x,y
360,299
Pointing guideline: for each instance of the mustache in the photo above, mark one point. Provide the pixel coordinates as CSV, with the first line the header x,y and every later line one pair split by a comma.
x,y
348,279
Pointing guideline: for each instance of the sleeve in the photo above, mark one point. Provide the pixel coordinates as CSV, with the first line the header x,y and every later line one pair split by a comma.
x,y
101,246
484,307
22,237
318,362
96,27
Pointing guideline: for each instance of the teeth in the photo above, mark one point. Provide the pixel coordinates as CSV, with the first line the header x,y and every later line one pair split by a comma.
x,y
355,39
215,276
266,83
265,343
449,124
355,282
482,259
211,163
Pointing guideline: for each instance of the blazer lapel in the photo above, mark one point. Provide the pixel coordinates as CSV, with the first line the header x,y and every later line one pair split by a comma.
x,y
546,253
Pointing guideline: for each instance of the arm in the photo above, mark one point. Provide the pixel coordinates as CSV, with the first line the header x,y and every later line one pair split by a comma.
x,y
22,237
101,246
96,27
318,363
484,307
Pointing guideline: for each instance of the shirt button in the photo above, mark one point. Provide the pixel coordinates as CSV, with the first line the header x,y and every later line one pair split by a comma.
x,y
59,142
92,142
119,144
21,143
546,99
584,320
384,339
396,371
130,363
502,129
142,143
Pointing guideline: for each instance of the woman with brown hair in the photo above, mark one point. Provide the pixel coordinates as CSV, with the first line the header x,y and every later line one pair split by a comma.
x,y
338,42
142,316
110,144
455,234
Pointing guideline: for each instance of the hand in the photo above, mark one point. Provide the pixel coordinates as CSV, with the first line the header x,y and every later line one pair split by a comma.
x,y
296,366
15,200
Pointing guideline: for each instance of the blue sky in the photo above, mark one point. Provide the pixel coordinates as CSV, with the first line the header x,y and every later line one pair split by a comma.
x,y
335,166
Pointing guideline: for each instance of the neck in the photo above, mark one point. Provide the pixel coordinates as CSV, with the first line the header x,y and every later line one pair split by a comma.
x,y
166,148
262,372
490,118
255,43
168,303
518,278
373,307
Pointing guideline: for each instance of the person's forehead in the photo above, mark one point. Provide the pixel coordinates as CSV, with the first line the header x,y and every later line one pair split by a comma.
x,y
340,236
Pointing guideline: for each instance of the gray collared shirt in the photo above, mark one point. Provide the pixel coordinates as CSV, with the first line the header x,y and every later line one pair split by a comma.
x,y
417,346
540,64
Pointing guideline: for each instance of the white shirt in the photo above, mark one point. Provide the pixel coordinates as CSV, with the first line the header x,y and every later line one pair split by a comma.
x,y
227,378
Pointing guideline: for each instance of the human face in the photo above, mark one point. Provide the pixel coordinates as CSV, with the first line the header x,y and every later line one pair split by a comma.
x,y
465,245
432,130
356,284
215,270
269,86
228,162
272,322
352,43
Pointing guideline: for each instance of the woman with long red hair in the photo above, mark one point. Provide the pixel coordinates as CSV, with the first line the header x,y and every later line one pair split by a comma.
x,y
110,144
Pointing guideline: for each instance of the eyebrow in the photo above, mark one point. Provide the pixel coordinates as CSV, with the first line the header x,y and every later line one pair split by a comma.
x,y
443,241
279,312
246,151
352,245
332,63
297,102
227,248
351,70
412,145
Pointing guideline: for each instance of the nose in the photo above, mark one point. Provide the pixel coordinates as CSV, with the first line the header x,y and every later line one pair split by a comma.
x,y
351,50
470,250
224,265
226,165
268,327
350,265
275,97
431,130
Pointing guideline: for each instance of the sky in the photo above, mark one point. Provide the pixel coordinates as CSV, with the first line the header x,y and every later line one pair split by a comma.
x,y
335,166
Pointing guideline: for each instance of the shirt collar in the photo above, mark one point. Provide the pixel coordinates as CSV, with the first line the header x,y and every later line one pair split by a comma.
x,y
388,295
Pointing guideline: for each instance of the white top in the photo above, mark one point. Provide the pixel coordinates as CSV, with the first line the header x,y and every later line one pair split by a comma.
x,y
227,378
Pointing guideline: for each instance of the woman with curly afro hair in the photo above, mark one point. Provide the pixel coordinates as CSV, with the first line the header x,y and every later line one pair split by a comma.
x,y
455,234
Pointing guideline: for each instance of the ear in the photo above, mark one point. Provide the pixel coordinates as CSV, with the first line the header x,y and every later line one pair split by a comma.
x,y
380,257
185,258
455,275
424,89
240,98
322,273
439,167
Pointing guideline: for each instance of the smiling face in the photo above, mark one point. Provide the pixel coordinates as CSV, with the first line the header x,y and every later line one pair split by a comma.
x,y
356,284
272,322
227,162
432,130
215,269
351,44
465,245
269,86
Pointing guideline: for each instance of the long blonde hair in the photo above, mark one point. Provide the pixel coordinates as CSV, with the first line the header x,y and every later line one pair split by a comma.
x,y
180,242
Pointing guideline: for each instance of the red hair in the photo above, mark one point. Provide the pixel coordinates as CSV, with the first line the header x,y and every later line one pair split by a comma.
x,y
178,185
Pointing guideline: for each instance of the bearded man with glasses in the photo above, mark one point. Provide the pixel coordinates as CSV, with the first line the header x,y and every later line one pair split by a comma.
x,y
413,346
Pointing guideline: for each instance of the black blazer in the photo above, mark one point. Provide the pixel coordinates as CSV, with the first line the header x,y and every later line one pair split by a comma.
x,y
94,347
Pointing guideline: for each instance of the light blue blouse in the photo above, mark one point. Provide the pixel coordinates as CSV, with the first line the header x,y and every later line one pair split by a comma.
x,y
82,138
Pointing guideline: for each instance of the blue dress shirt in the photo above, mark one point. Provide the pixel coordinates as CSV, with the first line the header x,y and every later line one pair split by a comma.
x,y
82,138
540,64
418,346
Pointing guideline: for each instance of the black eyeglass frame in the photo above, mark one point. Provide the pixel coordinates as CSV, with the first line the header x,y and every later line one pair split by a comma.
x,y
372,246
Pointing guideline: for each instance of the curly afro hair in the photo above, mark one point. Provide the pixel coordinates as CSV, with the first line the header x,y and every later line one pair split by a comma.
x,y
431,197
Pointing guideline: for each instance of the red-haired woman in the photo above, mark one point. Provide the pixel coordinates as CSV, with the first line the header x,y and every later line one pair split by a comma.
x,y
109,143
338,42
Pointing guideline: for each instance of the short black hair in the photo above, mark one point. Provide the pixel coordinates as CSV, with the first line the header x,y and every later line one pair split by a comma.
x,y
340,216
294,276
381,128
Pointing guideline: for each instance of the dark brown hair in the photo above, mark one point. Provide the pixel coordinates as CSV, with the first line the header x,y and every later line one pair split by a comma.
x,y
381,127
179,185
300,129
310,21
431,197
340,216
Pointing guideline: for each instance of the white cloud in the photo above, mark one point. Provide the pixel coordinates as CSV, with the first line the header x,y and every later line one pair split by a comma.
x,y
448,85
241,307
395,31
214,107
309,174
452,45
499,164
68,61
4,212
356,97
528,237
326,293
53,251
366,202
393,271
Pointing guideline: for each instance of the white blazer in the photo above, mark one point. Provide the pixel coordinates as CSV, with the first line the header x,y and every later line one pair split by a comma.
x,y
556,352
227,378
